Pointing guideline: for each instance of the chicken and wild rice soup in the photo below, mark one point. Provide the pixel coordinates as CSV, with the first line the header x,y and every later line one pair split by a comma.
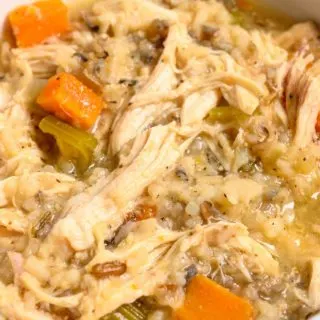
x,y
159,160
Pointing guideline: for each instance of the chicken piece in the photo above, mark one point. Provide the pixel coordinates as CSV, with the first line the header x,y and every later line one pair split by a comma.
x,y
314,285
32,284
77,226
109,201
159,153
13,220
14,130
297,35
294,77
197,105
241,98
13,307
16,260
215,80
267,51
241,190
257,254
18,150
5,96
137,118
137,145
234,80
44,59
302,98
307,114
132,123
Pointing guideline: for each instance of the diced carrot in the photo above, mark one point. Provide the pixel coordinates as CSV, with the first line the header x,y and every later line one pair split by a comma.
x,y
34,23
70,100
206,300
318,123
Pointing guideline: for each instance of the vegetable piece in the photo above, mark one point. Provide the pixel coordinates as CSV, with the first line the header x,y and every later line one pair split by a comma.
x,y
70,100
205,299
75,145
43,226
34,23
108,269
227,114
142,212
318,123
133,311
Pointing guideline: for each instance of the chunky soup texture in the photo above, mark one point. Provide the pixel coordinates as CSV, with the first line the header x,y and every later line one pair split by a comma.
x,y
157,156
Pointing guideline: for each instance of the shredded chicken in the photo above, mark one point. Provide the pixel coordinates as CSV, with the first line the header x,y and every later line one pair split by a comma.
x,y
163,78
315,283
297,35
197,106
301,96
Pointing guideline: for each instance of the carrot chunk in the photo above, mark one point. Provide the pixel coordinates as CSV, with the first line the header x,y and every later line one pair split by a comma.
x,y
70,100
205,300
318,124
34,23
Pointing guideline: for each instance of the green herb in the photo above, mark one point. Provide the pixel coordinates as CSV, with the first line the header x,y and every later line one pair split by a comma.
x,y
133,311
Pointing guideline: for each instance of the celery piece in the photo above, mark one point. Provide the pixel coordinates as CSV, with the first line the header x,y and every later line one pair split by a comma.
x,y
133,311
74,144
226,114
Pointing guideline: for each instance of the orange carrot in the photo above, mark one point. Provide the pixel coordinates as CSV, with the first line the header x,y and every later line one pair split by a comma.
x,y
205,300
70,100
318,123
34,23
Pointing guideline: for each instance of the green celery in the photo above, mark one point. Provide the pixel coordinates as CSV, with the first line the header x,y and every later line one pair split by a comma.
x,y
227,114
133,311
74,144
